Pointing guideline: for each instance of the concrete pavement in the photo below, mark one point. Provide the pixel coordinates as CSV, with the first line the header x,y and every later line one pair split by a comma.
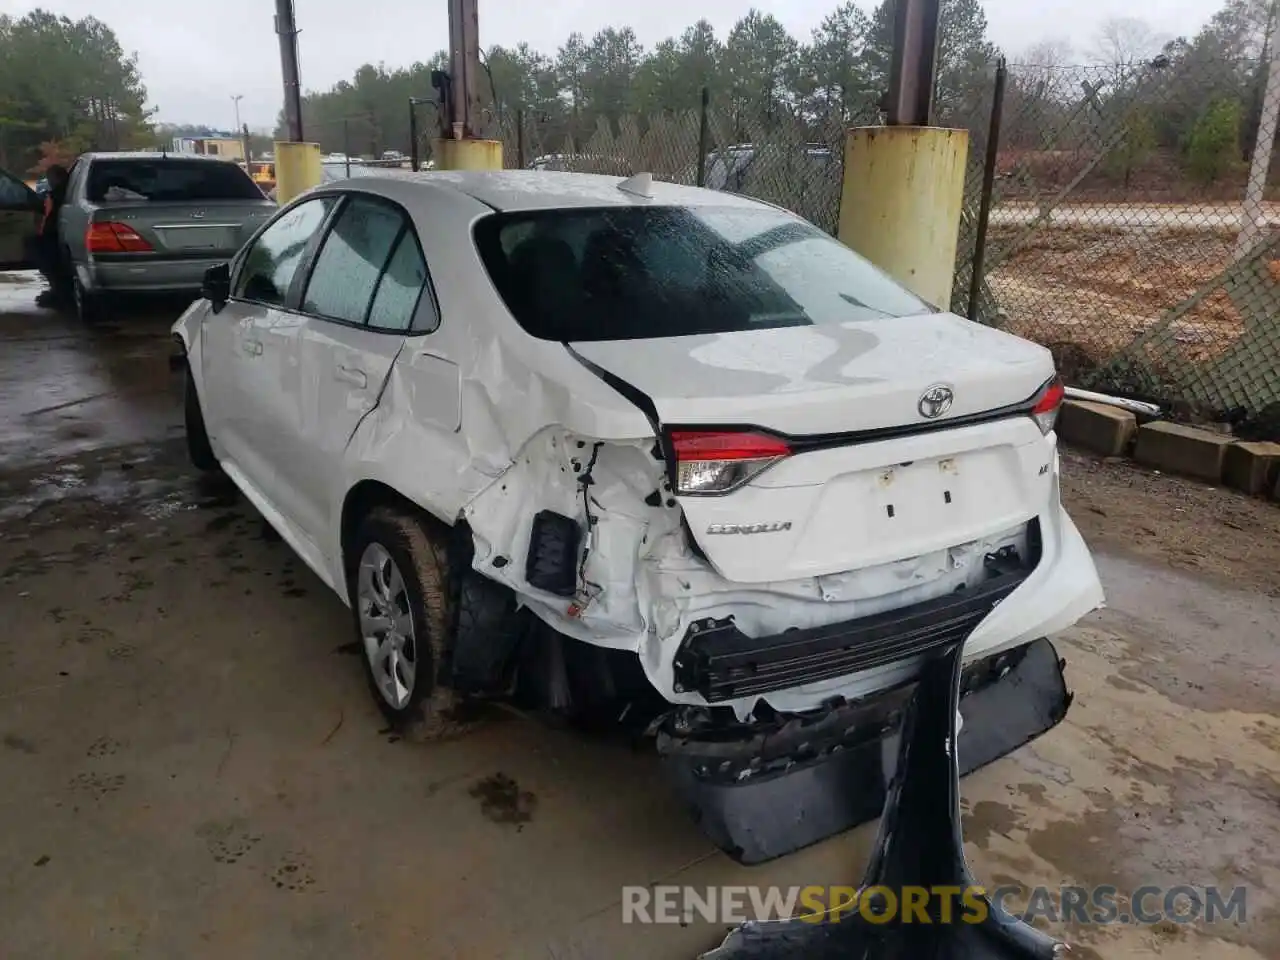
x,y
192,766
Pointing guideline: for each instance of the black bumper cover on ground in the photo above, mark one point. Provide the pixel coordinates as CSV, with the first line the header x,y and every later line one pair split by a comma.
x,y
763,799
919,842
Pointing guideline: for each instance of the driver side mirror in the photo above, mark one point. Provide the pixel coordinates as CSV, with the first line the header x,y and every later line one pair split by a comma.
x,y
217,285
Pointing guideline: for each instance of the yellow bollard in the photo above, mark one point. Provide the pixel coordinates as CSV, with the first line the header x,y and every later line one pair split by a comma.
x,y
901,201
297,169
467,154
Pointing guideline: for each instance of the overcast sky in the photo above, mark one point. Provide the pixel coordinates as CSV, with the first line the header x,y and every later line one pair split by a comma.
x,y
194,61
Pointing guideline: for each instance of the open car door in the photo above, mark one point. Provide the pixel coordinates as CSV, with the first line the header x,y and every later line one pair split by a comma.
x,y
21,210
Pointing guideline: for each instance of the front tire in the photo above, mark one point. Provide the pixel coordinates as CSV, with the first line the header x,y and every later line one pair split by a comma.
x,y
198,447
399,590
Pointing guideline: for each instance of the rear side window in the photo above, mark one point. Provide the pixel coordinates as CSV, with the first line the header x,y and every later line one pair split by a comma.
x,y
369,268
627,273
169,181
401,287
269,265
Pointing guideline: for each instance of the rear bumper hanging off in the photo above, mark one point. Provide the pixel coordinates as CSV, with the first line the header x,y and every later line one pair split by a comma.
x,y
920,845
761,797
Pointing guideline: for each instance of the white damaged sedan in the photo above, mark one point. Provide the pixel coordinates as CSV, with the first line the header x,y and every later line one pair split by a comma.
x,y
621,441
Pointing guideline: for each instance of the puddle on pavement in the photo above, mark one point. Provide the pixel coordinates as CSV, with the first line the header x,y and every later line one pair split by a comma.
x,y
502,800
152,479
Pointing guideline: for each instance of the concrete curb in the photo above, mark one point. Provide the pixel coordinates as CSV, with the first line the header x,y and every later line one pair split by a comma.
x,y
1251,467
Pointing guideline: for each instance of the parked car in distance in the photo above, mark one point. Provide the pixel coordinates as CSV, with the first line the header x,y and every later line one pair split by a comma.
x,y
21,210
708,447
152,223
583,163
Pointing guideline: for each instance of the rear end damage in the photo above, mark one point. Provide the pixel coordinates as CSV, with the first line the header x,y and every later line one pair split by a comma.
x,y
774,699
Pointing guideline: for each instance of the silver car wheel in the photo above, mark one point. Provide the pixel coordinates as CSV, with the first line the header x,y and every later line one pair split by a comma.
x,y
386,625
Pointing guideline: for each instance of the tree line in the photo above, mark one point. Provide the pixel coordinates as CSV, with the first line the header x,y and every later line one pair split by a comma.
x,y
754,75
1195,98
66,86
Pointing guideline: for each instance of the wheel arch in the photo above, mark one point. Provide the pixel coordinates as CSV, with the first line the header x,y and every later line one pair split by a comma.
x,y
366,495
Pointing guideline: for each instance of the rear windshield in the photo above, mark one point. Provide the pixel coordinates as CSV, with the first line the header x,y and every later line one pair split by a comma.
x,y
169,180
630,273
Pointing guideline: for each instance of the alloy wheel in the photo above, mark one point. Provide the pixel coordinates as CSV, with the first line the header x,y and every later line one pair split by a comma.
x,y
386,625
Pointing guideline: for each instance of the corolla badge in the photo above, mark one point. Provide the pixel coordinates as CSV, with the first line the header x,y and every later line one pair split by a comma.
x,y
774,527
935,401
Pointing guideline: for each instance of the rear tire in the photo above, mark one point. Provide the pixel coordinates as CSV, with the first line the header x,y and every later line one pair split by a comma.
x,y
398,584
89,306
198,447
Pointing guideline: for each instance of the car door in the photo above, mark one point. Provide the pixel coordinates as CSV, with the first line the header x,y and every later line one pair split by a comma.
x,y
21,210
249,351
367,289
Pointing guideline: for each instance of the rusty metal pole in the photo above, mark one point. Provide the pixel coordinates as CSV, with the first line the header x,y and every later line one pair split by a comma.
x,y
704,137
413,134
909,102
978,264
464,68
287,30
903,189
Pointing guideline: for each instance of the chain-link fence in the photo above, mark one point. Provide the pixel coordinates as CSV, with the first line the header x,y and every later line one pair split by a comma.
x,y
1124,219
783,156
1132,230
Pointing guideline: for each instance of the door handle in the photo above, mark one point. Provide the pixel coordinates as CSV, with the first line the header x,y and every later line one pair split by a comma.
x,y
253,347
352,376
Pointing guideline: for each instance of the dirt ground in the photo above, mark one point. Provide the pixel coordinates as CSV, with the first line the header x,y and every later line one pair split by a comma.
x,y
191,765
1101,288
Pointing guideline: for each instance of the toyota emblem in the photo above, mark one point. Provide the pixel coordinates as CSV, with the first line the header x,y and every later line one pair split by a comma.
x,y
935,401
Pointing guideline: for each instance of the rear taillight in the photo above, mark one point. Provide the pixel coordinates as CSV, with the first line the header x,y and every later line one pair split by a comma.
x,y
112,237
1047,404
718,461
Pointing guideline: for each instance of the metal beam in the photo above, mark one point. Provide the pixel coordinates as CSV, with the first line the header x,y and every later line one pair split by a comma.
x,y
287,30
909,101
464,69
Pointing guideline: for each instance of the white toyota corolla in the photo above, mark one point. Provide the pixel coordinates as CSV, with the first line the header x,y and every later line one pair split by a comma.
x,y
617,439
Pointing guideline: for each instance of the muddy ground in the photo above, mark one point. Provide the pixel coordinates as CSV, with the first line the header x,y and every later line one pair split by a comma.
x,y
190,764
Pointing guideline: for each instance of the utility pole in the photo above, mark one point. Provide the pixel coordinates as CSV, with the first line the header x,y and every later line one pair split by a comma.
x,y
909,101
903,186
287,30
236,98
298,165
464,69
1252,215
460,145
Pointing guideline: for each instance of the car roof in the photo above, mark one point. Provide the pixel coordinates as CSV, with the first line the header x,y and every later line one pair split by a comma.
x,y
511,190
152,155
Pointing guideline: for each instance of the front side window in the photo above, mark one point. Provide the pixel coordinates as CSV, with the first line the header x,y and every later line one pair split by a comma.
x,y
268,268
627,273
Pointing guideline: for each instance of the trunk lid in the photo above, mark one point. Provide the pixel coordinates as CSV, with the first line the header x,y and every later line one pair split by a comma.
x,y
870,479
212,228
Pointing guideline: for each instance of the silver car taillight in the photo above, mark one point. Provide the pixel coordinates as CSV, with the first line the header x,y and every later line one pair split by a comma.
x,y
718,461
